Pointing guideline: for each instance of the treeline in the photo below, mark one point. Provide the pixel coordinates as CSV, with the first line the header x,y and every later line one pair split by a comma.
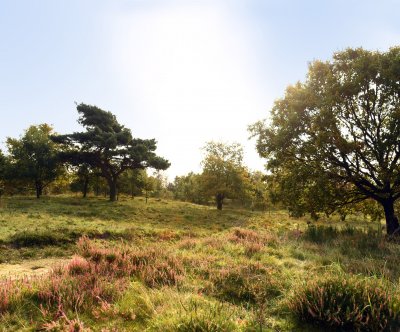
x,y
106,160
332,145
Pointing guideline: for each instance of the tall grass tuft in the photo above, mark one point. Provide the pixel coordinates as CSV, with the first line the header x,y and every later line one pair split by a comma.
x,y
251,283
202,315
347,302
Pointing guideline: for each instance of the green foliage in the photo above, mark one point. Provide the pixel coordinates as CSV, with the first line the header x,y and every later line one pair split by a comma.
x,y
257,196
44,238
108,146
189,188
346,302
338,131
224,175
132,182
34,158
84,177
3,170
159,185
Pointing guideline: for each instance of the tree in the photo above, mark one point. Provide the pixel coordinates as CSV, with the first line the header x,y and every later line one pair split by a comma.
x,y
343,124
258,192
3,169
34,157
223,175
108,146
83,177
189,188
132,182
307,190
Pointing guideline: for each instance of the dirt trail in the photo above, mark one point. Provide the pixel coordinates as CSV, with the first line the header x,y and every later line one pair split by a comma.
x,y
30,268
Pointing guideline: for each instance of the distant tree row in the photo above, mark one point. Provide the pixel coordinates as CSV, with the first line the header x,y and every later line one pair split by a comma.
x,y
106,149
105,159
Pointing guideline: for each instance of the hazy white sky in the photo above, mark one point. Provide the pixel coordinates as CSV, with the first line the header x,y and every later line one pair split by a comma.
x,y
183,72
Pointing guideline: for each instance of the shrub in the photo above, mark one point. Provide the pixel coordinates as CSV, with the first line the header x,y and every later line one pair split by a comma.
x,y
167,272
246,234
153,266
78,265
43,238
252,241
346,302
12,292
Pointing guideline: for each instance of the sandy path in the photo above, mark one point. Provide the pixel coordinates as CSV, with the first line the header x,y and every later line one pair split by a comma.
x,y
30,268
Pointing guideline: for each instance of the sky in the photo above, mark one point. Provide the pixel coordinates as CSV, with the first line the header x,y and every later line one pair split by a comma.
x,y
182,72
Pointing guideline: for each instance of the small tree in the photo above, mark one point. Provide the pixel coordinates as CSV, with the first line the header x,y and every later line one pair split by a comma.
x,y
189,188
132,182
223,175
108,146
34,158
84,175
343,125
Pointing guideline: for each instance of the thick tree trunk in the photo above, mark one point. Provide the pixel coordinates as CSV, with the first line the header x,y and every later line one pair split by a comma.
x,y
392,223
39,188
219,199
113,190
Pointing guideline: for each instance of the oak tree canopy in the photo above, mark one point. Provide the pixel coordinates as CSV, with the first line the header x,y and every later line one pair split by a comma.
x,y
343,125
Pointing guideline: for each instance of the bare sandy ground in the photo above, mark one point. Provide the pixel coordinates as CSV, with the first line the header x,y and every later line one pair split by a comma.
x,y
30,268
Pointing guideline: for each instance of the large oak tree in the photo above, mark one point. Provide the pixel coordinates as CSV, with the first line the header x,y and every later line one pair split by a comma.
x,y
342,123
108,146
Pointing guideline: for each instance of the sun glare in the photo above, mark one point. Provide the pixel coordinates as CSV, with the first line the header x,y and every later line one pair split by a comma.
x,y
187,69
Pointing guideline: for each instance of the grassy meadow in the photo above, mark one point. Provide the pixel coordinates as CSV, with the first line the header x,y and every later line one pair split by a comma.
x,y
175,266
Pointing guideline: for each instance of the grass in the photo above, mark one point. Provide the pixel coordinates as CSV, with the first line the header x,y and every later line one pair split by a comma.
x,y
182,267
347,302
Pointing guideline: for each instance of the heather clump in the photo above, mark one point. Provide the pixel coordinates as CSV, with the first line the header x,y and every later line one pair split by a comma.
x,y
347,302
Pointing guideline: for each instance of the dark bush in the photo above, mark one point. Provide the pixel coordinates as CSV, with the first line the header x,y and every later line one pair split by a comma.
x,y
39,239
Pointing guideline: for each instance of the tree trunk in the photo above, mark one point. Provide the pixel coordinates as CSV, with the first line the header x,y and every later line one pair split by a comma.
x,y
39,188
113,190
392,223
219,199
85,187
